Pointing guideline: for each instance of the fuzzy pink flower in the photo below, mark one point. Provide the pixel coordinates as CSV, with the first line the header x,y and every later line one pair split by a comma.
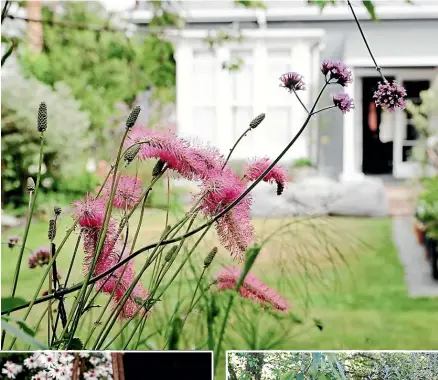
x,y
234,228
188,159
390,96
128,193
251,288
278,174
90,212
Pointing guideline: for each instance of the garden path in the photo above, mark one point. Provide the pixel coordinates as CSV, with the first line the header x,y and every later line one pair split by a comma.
x,y
418,275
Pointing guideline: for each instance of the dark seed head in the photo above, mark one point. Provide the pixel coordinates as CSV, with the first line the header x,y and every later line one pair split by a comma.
x,y
57,210
132,118
42,117
257,121
131,153
52,229
170,253
30,185
158,168
210,257
280,188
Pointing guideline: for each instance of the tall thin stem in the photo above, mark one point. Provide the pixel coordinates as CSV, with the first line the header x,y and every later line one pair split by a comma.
x,y
378,68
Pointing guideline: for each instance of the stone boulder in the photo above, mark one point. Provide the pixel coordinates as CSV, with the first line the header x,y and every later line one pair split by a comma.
x,y
320,196
366,197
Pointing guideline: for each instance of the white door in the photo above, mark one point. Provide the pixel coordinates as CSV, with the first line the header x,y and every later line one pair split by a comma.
x,y
405,135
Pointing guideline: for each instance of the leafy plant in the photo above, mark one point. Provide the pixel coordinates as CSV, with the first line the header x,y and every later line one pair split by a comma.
x,y
67,139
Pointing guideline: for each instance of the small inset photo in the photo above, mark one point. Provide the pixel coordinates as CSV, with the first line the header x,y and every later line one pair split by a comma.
x,y
106,365
332,365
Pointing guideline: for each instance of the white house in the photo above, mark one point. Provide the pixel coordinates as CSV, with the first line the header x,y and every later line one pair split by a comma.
x,y
217,105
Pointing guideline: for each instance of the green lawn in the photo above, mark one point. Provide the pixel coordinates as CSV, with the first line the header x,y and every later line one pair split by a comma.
x,y
343,271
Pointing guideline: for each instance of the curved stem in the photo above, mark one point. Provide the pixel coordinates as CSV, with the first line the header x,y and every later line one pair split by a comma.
x,y
323,109
378,68
299,99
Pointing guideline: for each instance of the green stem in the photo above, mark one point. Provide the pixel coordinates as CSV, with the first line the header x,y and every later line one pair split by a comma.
x,y
27,228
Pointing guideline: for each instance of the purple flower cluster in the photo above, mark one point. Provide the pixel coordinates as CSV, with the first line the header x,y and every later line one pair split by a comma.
x,y
343,101
13,240
338,71
39,257
292,81
390,96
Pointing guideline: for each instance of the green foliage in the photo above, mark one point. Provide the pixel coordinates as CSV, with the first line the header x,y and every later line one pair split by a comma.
x,y
102,68
21,140
428,206
303,163
422,119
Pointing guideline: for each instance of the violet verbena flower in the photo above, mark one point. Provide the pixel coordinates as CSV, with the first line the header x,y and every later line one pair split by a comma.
x,y
234,229
292,81
251,288
343,101
390,96
13,240
128,192
338,71
88,213
39,257
278,173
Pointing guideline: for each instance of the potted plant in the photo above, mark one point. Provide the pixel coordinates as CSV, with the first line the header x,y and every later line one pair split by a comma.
x,y
427,215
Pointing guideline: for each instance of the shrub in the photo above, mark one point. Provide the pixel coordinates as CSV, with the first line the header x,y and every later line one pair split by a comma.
x,y
67,135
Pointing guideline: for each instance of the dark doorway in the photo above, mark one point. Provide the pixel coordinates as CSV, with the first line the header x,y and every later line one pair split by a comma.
x,y
377,155
168,365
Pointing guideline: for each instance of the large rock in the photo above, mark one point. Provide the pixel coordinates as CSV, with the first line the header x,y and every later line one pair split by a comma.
x,y
366,197
322,196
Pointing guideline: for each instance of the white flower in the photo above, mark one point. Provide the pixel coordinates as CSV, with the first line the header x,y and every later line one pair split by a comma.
x,y
31,362
47,360
84,354
11,369
66,358
57,372
42,375
94,360
90,375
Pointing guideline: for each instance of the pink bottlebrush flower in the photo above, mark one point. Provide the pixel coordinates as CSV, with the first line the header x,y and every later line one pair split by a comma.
x,y
13,240
343,101
292,81
39,257
338,71
128,193
90,212
390,96
186,158
278,173
251,288
234,228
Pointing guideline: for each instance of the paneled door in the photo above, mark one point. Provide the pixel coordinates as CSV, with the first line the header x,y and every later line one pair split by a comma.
x,y
406,137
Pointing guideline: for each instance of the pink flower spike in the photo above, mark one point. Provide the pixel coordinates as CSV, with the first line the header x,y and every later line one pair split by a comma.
x,y
252,288
128,193
234,229
90,212
278,173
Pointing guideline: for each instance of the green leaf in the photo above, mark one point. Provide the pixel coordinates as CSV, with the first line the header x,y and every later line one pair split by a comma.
x,y
370,8
9,303
21,335
22,325
76,344
289,376
300,376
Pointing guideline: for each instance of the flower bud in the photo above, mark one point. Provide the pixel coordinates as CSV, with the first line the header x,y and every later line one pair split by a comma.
x,y
158,168
210,257
52,229
257,121
42,117
131,153
57,210
132,118
170,254
30,185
